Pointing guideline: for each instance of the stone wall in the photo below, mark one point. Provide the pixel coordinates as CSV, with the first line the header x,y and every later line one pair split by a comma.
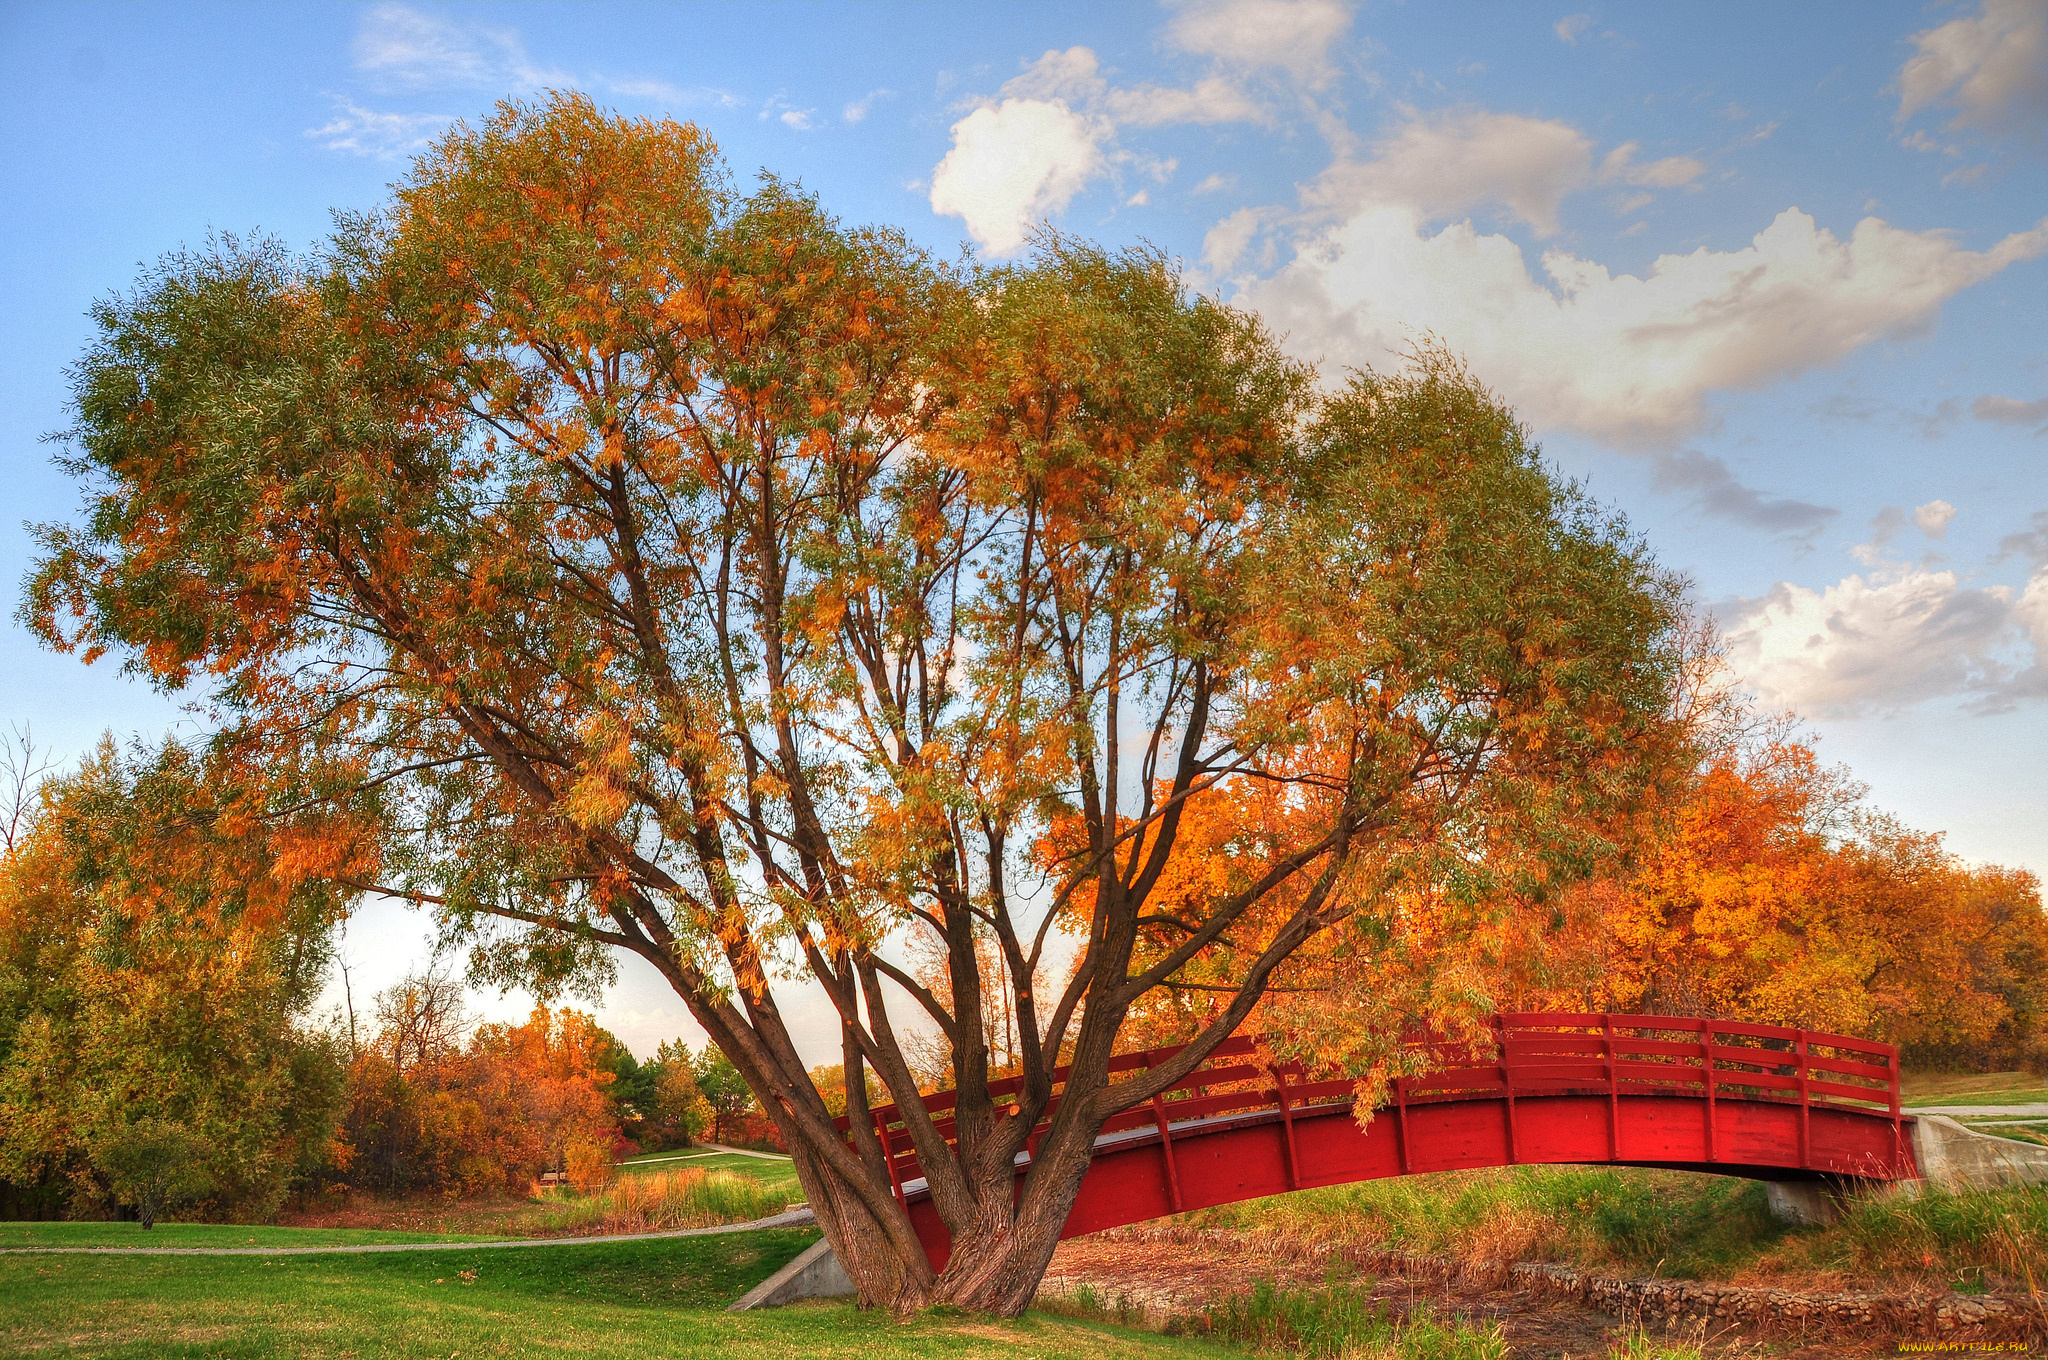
x,y
1672,1303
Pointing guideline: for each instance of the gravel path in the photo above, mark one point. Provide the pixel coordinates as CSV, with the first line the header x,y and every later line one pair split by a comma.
x,y
793,1219
2039,1109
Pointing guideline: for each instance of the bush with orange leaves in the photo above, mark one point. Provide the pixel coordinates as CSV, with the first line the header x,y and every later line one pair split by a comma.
x,y
433,1109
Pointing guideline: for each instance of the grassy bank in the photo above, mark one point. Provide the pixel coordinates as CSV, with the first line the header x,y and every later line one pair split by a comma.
x,y
595,1302
1670,1223
1337,1319
1631,1221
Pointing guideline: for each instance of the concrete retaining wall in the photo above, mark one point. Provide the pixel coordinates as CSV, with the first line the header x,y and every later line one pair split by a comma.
x,y
1958,1158
814,1274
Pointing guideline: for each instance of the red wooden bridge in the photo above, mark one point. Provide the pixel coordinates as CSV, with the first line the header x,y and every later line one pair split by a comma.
x,y
1621,1090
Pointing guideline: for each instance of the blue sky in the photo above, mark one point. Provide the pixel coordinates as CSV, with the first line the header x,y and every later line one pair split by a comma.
x,y
1770,278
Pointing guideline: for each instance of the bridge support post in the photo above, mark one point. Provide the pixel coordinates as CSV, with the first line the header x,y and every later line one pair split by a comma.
x,y
1806,1204
1805,1104
1166,1151
1287,1124
1613,1090
1401,1121
889,1156
1507,1086
1707,1064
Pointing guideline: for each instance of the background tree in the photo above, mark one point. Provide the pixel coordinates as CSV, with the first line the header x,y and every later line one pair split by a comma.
x,y
152,1164
681,1112
724,1089
687,574
477,1110
1766,890
23,768
160,943
634,1090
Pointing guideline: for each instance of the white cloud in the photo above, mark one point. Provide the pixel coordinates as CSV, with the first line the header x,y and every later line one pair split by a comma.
x,y
1292,35
1570,27
1895,638
1075,76
1670,173
1213,99
1215,184
383,136
1884,527
1933,518
403,46
1224,246
858,109
1014,163
1991,70
1019,160
1629,359
665,92
1452,162
398,47
2031,543
801,120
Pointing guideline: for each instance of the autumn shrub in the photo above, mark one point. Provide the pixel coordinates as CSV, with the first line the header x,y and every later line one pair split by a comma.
x,y
151,1165
589,1164
431,1108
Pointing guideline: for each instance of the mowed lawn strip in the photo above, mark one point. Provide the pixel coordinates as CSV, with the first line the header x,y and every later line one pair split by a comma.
x,y
19,1234
662,1298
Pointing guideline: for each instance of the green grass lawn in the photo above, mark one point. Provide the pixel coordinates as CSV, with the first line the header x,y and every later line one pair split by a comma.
x,y
199,1235
622,1300
2033,1131
1971,1088
2018,1095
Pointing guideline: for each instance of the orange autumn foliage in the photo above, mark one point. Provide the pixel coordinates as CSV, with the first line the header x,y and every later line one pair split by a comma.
x,y
1770,894
489,1114
1760,890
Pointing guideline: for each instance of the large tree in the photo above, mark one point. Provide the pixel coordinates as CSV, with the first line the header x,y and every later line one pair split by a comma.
x,y
692,576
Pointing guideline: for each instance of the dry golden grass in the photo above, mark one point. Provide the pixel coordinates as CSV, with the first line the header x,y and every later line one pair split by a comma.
x,y
663,1201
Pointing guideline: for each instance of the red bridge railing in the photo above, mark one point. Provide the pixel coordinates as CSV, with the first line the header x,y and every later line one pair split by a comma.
x,y
1526,1055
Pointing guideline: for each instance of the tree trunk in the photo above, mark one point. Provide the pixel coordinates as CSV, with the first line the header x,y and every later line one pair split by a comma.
x,y
997,1259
